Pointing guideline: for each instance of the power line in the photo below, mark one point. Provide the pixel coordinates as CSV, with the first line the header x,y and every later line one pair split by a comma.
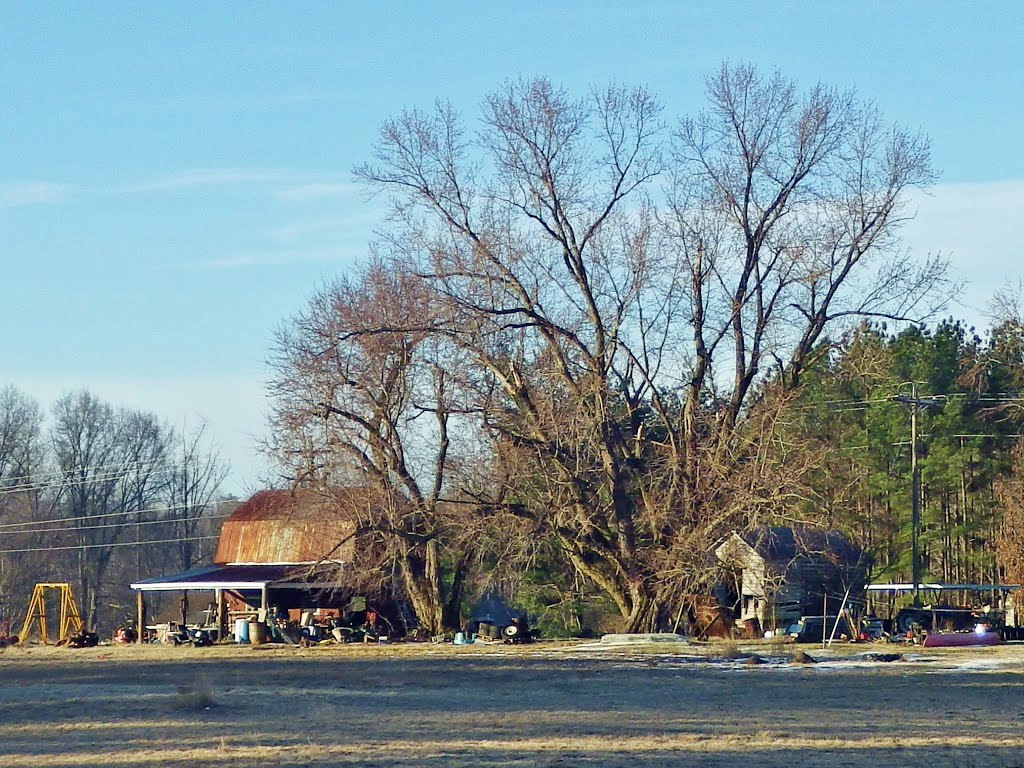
x,y
126,525
856,404
845,406
115,466
165,508
88,468
97,478
118,544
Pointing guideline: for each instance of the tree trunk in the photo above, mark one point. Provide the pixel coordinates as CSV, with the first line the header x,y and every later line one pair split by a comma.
x,y
644,614
452,616
83,589
421,573
92,604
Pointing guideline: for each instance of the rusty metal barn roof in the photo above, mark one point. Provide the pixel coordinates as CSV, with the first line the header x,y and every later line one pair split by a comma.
x,y
286,527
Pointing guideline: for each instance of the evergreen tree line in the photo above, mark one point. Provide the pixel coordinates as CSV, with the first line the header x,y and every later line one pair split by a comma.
x,y
968,446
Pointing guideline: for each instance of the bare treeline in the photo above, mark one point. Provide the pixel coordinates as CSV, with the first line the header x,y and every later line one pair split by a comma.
x,y
83,491
583,323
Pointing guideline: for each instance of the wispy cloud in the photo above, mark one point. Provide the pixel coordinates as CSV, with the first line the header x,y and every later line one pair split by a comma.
x,y
292,186
275,258
352,224
304,193
211,177
18,193
235,103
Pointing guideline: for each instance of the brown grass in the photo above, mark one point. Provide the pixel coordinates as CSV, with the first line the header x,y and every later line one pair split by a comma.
x,y
545,705
194,696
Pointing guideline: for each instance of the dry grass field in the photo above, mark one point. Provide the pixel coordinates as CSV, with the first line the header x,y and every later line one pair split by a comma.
x,y
541,705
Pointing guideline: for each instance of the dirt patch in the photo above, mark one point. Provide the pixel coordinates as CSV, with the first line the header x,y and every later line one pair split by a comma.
x,y
543,705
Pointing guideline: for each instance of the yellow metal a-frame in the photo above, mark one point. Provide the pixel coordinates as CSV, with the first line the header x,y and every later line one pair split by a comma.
x,y
70,619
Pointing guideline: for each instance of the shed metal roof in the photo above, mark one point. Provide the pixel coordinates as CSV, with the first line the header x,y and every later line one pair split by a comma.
x,y
934,587
785,544
240,577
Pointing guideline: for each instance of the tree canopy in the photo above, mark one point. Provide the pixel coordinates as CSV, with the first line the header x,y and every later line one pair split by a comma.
x,y
621,310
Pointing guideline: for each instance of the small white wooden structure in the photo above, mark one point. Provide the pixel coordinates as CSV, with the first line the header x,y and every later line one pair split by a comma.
x,y
782,574
738,556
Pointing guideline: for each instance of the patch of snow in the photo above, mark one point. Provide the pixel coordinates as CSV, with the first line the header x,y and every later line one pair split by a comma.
x,y
643,637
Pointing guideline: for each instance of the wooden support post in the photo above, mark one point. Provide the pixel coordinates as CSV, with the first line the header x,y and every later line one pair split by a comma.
x,y
222,614
824,617
140,615
842,610
64,617
263,599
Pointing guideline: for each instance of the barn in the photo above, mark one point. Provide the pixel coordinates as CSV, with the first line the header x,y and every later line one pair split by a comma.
x,y
279,552
775,575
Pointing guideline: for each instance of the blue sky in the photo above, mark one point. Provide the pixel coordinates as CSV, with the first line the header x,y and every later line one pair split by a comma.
x,y
175,178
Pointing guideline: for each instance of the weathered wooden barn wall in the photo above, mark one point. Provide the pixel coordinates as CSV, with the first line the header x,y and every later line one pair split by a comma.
x,y
786,573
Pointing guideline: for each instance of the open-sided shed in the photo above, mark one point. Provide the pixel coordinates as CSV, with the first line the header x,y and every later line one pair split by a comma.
x,y
282,548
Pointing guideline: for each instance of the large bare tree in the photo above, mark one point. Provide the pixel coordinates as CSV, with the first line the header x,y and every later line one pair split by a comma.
x,y
363,412
192,483
20,443
112,463
783,215
636,301
22,459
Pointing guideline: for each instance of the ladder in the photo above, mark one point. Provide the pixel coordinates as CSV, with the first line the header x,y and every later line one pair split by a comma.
x,y
69,617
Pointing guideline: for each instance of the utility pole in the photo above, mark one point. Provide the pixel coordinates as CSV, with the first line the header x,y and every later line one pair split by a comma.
x,y
915,405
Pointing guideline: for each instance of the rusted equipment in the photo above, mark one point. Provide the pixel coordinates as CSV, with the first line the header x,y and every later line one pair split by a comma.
x,y
69,621
6,638
492,619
